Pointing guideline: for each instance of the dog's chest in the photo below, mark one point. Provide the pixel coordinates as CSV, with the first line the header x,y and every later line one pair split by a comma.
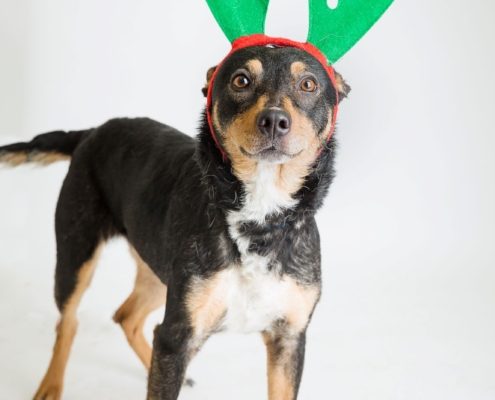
x,y
253,302
257,294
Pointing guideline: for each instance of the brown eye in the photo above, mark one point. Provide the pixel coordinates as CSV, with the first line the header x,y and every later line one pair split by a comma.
x,y
241,81
308,85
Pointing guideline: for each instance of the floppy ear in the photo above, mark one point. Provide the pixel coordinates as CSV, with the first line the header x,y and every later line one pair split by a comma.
x,y
342,87
209,75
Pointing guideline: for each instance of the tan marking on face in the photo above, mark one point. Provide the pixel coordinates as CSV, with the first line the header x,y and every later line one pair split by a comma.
x,y
255,67
242,132
206,304
52,383
304,140
297,68
215,119
324,136
148,294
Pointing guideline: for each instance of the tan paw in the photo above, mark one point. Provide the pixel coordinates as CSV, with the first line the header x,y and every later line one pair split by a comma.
x,y
48,391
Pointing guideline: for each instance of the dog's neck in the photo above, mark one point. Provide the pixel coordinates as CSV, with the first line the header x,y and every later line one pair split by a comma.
x,y
259,199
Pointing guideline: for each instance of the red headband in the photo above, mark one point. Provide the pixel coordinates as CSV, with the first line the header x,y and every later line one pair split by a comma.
x,y
263,40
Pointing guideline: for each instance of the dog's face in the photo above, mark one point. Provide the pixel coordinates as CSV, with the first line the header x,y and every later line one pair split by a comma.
x,y
273,105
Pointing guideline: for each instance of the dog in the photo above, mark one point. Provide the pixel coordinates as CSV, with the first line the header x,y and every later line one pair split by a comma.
x,y
228,243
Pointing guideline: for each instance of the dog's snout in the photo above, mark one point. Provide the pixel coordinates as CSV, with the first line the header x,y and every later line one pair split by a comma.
x,y
274,123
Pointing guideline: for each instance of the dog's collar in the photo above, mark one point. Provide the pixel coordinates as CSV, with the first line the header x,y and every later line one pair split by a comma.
x,y
263,40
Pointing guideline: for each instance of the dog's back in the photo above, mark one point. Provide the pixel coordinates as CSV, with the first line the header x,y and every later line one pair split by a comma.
x,y
132,156
139,162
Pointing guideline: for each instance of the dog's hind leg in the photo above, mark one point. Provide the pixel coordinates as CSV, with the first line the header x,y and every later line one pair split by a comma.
x,y
52,383
148,294
82,223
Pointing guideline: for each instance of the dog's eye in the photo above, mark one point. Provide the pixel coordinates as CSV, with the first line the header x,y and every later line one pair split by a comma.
x,y
241,81
308,85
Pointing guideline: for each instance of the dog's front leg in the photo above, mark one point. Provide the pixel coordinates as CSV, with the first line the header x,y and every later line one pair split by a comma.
x,y
173,348
168,365
189,320
285,357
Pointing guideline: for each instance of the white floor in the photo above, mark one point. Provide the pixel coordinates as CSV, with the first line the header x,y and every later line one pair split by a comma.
x,y
400,318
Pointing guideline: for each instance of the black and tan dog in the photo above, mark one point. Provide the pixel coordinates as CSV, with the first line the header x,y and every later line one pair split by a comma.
x,y
228,244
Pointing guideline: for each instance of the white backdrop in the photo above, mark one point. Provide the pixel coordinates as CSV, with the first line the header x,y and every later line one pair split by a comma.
x,y
408,231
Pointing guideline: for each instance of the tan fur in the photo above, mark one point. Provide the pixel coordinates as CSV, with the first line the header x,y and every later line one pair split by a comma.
x,y
281,346
52,383
342,87
324,136
148,294
206,302
242,133
255,67
48,158
14,159
21,157
280,381
44,158
209,75
305,138
206,305
301,304
297,68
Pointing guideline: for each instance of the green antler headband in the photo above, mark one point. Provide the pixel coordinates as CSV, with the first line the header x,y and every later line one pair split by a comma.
x,y
332,30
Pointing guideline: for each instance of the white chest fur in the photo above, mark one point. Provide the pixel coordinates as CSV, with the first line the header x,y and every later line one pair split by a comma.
x,y
255,296
262,196
238,300
253,301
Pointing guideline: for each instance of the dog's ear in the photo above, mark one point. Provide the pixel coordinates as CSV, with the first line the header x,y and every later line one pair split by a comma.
x,y
342,87
209,75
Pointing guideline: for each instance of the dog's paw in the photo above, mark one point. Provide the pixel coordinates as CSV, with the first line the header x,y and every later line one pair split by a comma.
x,y
48,392
50,389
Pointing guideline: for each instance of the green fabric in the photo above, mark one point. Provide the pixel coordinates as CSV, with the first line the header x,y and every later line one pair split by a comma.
x,y
335,31
239,17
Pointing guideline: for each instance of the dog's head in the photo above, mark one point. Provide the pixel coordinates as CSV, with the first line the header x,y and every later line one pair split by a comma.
x,y
272,105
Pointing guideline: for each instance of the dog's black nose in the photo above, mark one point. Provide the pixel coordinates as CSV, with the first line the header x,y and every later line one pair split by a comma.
x,y
274,123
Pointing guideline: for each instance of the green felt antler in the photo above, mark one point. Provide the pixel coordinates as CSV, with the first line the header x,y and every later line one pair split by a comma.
x,y
239,17
335,31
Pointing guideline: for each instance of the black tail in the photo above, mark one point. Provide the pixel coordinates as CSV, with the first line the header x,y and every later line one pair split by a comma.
x,y
43,149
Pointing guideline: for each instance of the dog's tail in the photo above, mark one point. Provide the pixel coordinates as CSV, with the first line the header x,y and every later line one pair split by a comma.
x,y
44,149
